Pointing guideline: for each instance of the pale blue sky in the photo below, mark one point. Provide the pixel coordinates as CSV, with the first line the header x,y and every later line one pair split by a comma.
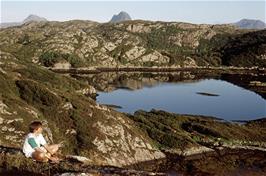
x,y
197,11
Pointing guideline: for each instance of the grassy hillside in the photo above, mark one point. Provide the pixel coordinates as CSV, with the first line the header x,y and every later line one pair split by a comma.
x,y
29,92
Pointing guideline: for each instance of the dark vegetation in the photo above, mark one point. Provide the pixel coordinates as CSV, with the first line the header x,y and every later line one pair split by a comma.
x,y
50,58
171,131
159,39
241,50
118,53
162,129
36,94
46,93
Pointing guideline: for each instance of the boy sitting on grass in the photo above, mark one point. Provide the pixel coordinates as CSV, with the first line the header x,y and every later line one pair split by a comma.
x,y
36,147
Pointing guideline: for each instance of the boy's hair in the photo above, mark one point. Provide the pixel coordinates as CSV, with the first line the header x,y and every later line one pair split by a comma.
x,y
34,126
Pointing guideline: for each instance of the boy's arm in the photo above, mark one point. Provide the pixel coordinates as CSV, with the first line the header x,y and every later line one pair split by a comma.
x,y
44,143
34,145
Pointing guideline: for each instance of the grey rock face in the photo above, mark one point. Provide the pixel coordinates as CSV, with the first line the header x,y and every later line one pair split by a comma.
x,y
122,16
35,18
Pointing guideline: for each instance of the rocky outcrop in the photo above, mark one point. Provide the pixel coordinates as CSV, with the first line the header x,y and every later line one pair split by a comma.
x,y
127,44
134,53
138,28
118,141
62,65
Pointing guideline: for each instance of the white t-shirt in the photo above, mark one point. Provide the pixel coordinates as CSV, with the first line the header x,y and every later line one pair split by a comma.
x,y
27,148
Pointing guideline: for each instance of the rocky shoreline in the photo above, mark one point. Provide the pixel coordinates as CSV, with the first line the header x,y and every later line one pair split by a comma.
x,y
248,76
91,70
106,81
226,161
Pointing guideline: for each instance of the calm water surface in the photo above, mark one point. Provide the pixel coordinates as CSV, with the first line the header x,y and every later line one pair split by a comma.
x,y
233,102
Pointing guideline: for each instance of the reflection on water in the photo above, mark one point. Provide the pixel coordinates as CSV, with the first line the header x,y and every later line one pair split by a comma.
x,y
234,103
178,92
110,81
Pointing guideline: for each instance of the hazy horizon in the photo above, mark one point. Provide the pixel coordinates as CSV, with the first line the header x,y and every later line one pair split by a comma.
x,y
210,12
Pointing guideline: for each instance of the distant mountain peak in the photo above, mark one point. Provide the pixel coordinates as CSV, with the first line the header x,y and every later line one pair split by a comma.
x,y
32,17
122,16
250,24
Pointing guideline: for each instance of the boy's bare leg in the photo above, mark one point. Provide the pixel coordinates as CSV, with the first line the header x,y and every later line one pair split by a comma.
x,y
40,156
52,148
